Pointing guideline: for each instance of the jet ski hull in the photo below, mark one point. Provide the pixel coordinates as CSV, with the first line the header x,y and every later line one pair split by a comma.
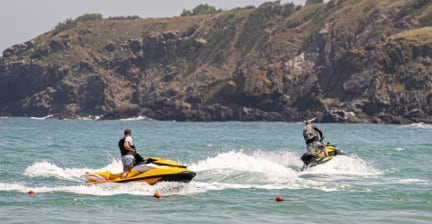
x,y
153,170
314,159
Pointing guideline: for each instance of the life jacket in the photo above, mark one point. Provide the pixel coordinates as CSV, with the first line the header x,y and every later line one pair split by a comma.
x,y
123,150
309,133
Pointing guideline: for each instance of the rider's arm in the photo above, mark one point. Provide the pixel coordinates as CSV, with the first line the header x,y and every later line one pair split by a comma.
x,y
321,138
319,131
128,147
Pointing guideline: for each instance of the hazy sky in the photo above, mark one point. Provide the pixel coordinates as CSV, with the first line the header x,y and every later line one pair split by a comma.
x,y
22,20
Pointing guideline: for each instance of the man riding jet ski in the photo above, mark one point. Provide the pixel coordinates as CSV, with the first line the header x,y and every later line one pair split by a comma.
x,y
317,152
151,170
135,168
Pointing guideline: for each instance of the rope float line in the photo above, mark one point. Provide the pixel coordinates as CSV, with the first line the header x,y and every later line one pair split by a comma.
x,y
158,196
278,198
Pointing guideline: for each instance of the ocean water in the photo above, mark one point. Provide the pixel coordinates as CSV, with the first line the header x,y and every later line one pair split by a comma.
x,y
385,176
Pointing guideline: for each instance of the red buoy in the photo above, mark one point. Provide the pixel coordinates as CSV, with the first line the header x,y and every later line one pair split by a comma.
x,y
279,198
31,192
156,195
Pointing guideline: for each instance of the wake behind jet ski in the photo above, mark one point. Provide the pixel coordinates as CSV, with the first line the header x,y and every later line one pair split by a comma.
x,y
151,171
313,159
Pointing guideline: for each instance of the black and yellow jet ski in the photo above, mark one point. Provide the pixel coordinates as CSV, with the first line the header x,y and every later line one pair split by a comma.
x,y
313,159
151,170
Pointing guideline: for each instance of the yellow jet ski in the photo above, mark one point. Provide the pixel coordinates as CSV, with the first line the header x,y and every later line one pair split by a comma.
x,y
313,159
151,171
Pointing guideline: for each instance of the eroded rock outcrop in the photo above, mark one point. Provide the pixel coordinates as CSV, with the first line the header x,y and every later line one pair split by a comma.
x,y
273,63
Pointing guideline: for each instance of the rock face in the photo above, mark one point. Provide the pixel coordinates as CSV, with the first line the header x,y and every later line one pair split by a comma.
x,y
342,61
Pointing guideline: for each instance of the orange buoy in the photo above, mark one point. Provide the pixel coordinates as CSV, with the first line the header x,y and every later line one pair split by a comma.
x,y
156,195
279,198
31,192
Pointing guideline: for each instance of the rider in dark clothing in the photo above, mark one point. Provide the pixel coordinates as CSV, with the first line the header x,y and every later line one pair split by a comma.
x,y
128,152
313,140
310,132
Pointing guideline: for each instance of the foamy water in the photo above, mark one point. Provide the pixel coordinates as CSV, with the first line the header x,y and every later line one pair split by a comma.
x,y
228,170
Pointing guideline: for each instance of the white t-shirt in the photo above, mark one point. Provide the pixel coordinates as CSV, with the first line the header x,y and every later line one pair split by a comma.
x,y
129,139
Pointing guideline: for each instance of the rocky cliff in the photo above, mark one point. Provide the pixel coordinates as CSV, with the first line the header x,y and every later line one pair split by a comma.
x,y
341,61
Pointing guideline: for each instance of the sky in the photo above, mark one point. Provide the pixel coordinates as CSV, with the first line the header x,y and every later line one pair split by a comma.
x,y
23,20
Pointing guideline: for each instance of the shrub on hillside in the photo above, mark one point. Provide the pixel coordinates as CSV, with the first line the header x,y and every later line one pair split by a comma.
x,y
201,9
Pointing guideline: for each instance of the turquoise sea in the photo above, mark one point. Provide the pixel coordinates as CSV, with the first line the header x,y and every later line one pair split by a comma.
x,y
241,167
